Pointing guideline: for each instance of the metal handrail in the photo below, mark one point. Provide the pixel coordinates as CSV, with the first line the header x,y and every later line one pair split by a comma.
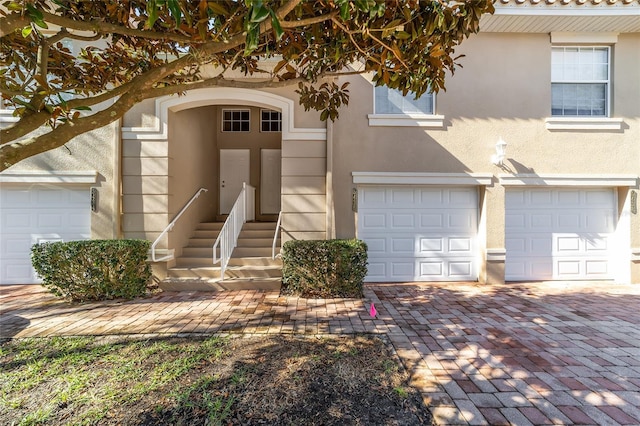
x,y
275,236
170,227
242,211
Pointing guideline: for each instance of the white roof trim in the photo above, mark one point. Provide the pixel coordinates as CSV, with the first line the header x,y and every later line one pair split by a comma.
x,y
583,123
568,180
569,37
415,178
568,11
53,176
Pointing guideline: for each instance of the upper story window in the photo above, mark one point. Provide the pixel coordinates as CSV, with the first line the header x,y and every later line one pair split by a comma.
x,y
392,101
580,81
270,120
236,120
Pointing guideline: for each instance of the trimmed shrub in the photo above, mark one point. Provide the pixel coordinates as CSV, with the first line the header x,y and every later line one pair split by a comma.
x,y
324,268
93,269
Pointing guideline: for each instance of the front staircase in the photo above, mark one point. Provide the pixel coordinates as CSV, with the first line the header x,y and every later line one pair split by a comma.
x,y
250,267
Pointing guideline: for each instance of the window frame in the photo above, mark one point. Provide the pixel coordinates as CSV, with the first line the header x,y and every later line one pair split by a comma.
x,y
223,120
406,119
270,121
578,82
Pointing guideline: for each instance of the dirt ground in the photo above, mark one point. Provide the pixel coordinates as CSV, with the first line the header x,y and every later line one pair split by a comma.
x,y
270,380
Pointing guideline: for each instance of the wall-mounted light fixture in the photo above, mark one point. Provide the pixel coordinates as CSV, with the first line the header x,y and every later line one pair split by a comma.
x,y
501,151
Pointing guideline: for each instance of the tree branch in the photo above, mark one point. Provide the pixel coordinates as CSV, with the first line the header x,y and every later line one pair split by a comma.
x,y
102,27
12,22
29,123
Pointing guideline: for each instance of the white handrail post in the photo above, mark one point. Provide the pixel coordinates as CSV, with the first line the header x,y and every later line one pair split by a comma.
x,y
170,227
228,237
275,236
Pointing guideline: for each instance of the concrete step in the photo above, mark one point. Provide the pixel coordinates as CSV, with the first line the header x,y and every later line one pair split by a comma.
x,y
256,233
260,226
205,251
210,226
213,272
263,284
251,252
255,261
201,242
207,262
257,242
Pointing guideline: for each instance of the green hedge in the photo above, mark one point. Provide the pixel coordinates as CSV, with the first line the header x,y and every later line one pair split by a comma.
x,y
93,269
324,268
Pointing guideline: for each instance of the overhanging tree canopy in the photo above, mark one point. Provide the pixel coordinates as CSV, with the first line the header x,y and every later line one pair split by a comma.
x,y
139,49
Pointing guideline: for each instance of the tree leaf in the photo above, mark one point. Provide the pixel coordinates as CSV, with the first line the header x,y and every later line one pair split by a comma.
x,y
176,12
275,23
26,31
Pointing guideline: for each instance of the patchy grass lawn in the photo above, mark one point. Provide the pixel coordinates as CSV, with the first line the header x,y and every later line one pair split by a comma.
x,y
274,380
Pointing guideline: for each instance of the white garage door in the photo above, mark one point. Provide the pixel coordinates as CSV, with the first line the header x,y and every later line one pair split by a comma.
x,y
30,214
559,233
419,233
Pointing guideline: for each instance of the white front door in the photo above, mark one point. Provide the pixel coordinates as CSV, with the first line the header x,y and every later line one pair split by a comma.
x,y
270,181
419,233
36,213
559,233
234,170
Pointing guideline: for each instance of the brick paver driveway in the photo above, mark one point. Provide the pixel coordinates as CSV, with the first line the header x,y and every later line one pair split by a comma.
x,y
547,353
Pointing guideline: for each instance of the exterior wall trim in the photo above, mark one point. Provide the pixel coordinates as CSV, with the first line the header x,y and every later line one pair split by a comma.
x,y
543,10
496,254
411,178
406,120
46,176
635,254
583,123
222,96
568,180
580,38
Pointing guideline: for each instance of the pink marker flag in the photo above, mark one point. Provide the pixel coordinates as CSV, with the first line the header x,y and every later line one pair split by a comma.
x,y
372,310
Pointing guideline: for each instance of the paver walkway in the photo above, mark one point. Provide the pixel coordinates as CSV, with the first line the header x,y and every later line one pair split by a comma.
x,y
545,353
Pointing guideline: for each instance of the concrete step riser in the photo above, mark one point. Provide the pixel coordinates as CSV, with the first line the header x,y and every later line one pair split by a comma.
x,y
201,262
262,284
214,273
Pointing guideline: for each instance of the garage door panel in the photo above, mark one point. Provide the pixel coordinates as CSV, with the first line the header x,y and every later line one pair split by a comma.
x,y
568,198
598,198
462,198
558,233
402,221
433,270
373,197
540,221
461,270
462,220
373,221
403,246
460,245
597,267
431,221
431,245
541,198
403,196
431,197
16,221
515,220
427,233
35,213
